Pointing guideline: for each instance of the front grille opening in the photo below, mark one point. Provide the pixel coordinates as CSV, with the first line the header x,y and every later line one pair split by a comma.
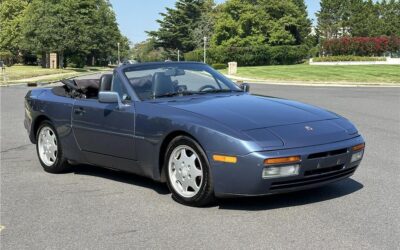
x,y
328,153
338,152
318,155
313,179
323,170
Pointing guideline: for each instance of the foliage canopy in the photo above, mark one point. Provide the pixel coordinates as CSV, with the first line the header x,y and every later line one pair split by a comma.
x,y
81,30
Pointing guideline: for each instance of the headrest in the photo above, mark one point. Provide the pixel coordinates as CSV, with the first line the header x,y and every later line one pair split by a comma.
x,y
162,84
105,82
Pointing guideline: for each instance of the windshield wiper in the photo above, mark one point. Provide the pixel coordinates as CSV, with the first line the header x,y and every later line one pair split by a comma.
x,y
172,94
186,93
220,91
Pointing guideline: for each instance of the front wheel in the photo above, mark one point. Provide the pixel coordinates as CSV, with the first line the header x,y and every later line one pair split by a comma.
x,y
188,172
49,149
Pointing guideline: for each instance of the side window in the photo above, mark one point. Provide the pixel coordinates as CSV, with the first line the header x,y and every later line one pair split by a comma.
x,y
118,86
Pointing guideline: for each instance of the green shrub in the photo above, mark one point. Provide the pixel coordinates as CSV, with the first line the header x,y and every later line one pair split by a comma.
x,y
219,66
348,59
76,61
6,57
314,51
251,56
194,56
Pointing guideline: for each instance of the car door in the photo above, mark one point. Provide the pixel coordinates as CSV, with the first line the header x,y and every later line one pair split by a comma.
x,y
104,128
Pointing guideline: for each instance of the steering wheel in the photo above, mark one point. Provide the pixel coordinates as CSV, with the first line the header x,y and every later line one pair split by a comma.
x,y
207,87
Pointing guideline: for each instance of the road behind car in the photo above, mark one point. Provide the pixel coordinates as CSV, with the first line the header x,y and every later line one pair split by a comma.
x,y
102,209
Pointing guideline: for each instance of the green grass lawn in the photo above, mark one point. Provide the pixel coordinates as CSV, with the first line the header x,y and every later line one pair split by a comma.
x,y
15,73
313,73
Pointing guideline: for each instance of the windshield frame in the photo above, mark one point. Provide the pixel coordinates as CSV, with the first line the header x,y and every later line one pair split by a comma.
x,y
185,65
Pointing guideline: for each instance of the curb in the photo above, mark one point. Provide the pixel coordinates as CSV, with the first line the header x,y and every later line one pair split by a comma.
x,y
36,84
314,84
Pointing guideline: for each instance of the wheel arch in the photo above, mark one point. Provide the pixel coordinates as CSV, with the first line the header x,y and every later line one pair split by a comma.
x,y
36,125
164,146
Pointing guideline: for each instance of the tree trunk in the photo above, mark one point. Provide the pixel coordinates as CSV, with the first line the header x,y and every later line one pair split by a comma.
x,y
47,60
61,59
43,60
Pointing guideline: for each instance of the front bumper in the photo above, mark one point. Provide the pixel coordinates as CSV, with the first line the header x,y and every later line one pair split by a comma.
x,y
320,165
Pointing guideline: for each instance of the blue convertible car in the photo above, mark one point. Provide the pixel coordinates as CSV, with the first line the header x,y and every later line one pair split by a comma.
x,y
189,126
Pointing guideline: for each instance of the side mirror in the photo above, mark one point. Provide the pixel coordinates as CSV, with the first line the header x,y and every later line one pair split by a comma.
x,y
110,97
245,87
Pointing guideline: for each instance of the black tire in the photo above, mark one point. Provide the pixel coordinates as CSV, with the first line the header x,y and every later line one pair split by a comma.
x,y
60,164
205,195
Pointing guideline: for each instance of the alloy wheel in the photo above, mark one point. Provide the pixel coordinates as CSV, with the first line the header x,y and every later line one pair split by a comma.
x,y
185,171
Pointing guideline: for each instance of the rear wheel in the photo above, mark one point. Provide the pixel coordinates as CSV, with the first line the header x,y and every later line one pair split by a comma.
x,y
188,172
49,149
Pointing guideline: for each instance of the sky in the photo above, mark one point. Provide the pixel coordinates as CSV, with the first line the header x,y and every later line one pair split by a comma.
x,y
137,16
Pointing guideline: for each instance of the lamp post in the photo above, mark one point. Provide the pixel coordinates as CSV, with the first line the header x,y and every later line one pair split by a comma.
x,y
119,59
205,47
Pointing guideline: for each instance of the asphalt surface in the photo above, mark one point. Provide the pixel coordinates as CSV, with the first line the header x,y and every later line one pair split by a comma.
x,y
94,208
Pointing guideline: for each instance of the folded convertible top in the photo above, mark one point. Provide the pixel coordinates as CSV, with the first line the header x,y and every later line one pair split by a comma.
x,y
88,83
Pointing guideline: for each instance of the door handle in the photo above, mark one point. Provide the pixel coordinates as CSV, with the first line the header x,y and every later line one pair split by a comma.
x,y
79,111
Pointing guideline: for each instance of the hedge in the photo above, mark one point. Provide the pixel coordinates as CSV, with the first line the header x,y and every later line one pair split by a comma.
x,y
362,46
219,65
251,56
348,59
7,57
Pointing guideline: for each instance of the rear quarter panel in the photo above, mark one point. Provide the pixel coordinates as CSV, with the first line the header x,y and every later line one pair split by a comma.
x,y
43,104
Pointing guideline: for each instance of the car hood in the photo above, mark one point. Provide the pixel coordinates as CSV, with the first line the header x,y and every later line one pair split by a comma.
x,y
271,122
246,112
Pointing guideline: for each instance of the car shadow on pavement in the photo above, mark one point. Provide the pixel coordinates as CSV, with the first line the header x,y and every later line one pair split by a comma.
x,y
329,192
120,176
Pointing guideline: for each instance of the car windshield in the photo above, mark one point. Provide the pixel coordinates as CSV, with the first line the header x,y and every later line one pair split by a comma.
x,y
154,81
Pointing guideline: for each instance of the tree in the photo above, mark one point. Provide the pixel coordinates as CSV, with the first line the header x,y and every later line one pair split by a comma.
x,y
332,18
390,12
177,25
11,15
205,25
365,19
52,26
147,51
257,22
304,21
240,23
105,35
82,30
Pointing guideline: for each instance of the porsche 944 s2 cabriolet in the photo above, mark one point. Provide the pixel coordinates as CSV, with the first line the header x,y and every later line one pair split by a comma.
x,y
189,126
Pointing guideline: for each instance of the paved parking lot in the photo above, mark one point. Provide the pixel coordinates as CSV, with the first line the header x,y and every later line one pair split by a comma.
x,y
93,208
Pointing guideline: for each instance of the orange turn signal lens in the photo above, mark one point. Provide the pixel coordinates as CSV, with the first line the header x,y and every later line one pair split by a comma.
x,y
358,147
224,158
282,160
